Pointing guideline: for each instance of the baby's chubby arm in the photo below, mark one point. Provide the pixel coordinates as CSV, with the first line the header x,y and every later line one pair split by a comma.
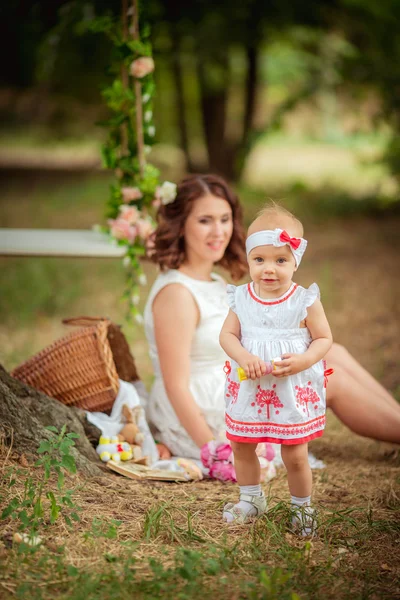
x,y
229,339
320,331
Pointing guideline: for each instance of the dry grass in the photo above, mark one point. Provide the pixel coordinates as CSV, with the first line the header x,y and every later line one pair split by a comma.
x,y
355,555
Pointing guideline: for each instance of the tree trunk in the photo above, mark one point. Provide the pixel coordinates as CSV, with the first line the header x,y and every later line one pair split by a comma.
x,y
213,102
241,149
250,92
26,412
180,100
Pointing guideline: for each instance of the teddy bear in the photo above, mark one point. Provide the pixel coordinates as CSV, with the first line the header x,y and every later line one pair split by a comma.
x,y
131,433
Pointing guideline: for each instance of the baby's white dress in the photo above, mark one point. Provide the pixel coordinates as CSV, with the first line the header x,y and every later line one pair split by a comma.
x,y
207,360
289,410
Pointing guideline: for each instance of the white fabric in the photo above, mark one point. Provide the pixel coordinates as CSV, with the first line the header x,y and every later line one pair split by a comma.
x,y
271,237
207,360
286,410
111,425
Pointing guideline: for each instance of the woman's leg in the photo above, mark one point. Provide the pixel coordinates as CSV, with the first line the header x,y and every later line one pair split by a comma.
x,y
339,356
361,408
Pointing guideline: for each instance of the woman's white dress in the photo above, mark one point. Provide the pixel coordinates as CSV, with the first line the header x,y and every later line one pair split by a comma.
x,y
288,410
207,378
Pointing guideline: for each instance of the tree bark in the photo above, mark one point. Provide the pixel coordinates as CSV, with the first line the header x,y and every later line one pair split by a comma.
x,y
180,99
213,104
250,92
26,412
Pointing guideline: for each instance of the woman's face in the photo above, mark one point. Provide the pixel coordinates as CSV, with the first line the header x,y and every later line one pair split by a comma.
x,y
208,229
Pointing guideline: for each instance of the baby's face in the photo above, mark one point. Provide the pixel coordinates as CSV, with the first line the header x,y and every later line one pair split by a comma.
x,y
271,269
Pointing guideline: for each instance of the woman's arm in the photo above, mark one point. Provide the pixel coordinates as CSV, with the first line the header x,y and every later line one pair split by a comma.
x,y
321,335
229,339
176,315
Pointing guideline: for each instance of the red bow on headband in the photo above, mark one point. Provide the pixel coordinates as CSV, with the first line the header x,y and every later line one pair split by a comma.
x,y
294,242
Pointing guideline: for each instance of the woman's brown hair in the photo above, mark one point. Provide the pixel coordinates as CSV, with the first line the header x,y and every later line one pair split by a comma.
x,y
169,244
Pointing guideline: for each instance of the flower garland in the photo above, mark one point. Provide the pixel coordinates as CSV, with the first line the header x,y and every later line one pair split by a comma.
x,y
137,192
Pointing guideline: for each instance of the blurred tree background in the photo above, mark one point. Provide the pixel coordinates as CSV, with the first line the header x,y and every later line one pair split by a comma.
x,y
229,73
298,101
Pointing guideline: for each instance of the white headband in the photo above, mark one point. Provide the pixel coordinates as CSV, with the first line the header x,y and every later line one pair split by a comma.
x,y
277,237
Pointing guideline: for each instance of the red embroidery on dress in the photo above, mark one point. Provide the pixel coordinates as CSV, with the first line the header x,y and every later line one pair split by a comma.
x,y
277,430
266,398
227,368
233,386
327,372
304,395
233,389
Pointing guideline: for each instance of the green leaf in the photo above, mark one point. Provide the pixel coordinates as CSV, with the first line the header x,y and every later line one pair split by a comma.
x,y
65,445
68,462
10,508
52,428
23,517
67,501
75,517
38,508
139,48
44,446
60,480
55,509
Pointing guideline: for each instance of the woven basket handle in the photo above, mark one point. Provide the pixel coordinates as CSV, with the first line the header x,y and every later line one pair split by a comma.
x,y
85,321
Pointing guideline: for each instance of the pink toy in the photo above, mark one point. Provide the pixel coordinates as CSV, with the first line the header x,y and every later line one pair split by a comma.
x,y
223,470
218,458
215,451
266,450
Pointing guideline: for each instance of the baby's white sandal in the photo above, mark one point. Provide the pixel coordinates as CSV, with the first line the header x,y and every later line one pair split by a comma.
x,y
304,520
233,513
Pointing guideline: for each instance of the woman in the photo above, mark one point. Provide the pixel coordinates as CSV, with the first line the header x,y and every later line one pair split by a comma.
x,y
184,314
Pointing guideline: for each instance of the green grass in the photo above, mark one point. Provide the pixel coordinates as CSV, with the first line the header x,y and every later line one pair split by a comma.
x,y
266,564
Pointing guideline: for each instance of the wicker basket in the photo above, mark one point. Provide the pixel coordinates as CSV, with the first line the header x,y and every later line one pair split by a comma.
x,y
79,369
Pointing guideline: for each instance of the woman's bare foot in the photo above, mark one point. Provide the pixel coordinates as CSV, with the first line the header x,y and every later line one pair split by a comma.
x,y
163,452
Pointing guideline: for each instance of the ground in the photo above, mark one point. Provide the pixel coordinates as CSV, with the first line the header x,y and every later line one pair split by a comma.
x,y
164,540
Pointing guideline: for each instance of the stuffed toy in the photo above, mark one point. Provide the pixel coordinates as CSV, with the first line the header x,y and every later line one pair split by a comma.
x,y
130,432
113,449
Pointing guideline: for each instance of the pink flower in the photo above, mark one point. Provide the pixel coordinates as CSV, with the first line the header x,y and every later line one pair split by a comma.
x,y
145,228
129,213
142,66
156,202
129,194
122,230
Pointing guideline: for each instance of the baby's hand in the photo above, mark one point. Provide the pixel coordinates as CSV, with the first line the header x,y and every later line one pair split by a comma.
x,y
290,365
254,366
